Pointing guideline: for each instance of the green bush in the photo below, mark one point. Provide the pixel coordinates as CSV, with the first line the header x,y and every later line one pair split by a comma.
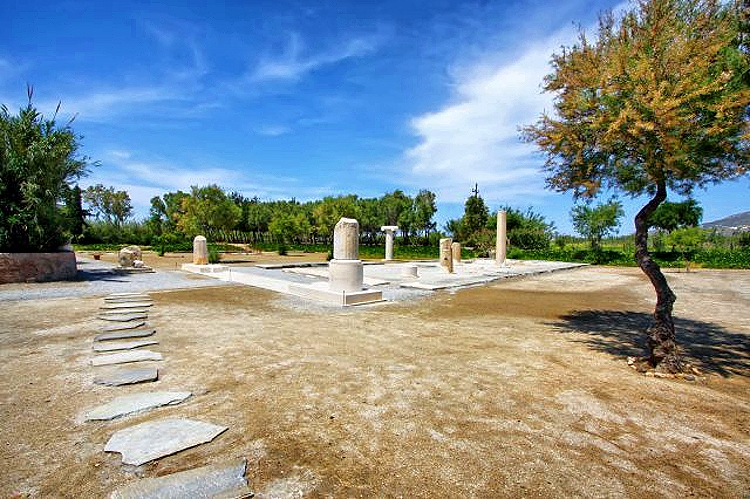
x,y
38,164
213,255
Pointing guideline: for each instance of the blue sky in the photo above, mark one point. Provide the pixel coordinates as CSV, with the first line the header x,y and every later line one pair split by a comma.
x,y
306,99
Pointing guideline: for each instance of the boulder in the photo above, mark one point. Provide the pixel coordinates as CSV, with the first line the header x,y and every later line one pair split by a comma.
x,y
129,255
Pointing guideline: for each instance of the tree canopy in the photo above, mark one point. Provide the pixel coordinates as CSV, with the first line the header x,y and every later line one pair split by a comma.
x,y
596,222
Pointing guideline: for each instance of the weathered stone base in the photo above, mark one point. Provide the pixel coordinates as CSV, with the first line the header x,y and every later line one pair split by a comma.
x,y
37,267
321,292
133,270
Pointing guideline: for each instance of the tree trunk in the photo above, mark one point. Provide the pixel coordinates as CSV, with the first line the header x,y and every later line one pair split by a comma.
x,y
661,341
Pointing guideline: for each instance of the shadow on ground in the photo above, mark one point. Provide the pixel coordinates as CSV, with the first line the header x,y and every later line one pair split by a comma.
x,y
97,275
711,347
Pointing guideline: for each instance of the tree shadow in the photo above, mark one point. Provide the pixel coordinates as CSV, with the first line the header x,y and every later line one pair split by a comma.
x,y
711,347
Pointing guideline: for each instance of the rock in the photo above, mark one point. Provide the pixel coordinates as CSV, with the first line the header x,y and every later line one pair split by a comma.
x,y
128,255
125,333
119,327
137,304
689,377
125,357
223,480
127,376
151,440
36,267
126,317
124,345
123,311
138,264
138,402
126,299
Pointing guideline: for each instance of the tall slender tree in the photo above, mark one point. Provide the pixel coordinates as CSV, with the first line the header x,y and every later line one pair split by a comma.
x,y
658,100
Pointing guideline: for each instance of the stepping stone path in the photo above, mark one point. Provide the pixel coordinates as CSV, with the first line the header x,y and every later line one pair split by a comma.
x,y
119,327
125,357
129,404
127,376
125,333
136,304
123,317
122,345
217,480
151,440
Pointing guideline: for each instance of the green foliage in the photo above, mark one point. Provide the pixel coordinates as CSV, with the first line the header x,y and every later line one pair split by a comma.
x,y
213,255
207,208
38,163
475,216
598,221
524,229
108,204
670,216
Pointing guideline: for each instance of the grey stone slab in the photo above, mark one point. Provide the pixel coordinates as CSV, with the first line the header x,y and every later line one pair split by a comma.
x,y
127,299
137,402
123,311
135,304
127,376
217,480
110,346
124,334
125,357
123,317
151,440
121,326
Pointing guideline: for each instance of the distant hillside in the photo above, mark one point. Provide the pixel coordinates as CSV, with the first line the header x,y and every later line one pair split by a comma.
x,y
732,223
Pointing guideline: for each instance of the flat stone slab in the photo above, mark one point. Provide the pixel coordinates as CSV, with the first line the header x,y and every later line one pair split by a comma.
x,y
151,440
126,299
127,376
123,311
111,346
135,304
130,404
124,334
125,357
120,327
123,317
223,480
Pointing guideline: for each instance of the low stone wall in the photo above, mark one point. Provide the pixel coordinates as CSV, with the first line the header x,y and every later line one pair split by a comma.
x,y
35,267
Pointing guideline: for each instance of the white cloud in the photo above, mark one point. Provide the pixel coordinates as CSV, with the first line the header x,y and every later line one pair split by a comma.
x,y
293,65
476,139
272,130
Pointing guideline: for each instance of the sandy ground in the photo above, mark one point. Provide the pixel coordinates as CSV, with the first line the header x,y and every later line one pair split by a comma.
x,y
173,261
515,389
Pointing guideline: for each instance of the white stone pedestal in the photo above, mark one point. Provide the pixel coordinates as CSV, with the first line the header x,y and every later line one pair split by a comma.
x,y
345,275
389,230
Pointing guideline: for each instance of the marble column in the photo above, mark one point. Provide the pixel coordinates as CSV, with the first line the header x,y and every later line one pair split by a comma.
x,y
389,233
200,251
446,256
345,270
500,245
456,252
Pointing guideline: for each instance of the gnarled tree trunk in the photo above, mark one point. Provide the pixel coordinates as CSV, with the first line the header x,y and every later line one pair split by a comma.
x,y
661,341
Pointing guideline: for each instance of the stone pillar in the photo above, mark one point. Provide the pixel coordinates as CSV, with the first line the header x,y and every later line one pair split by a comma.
x,y
456,252
345,271
389,230
446,256
200,251
410,271
500,245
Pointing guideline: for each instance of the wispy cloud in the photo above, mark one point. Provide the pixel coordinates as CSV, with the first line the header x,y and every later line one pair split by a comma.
x,y
272,130
293,64
475,138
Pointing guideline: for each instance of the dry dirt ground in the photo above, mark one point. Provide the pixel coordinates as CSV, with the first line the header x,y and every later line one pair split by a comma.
x,y
517,389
